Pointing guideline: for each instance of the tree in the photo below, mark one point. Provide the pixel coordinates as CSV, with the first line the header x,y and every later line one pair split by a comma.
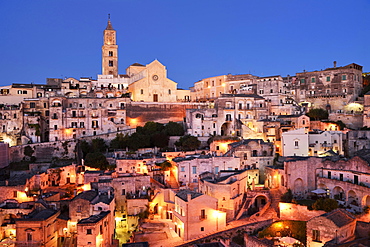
x,y
96,160
174,129
120,141
85,147
98,145
318,114
139,141
326,204
188,142
287,196
159,139
165,166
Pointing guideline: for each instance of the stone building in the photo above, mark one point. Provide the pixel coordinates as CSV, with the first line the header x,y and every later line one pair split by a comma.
x,y
189,169
96,230
301,142
356,140
131,186
229,189
40,228
347,181
337,226
230,115
253,154
196,214
330,89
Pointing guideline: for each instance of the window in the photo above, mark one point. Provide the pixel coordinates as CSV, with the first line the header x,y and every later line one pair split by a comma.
x,y
228,117
328,78
340,176
202,229
254,153
110,63
316,235
32,105
15,194
203,214
82,125
313,79
183,168
271,90
88,231
169,91
216,169
194,170
110,53
79,208
329,174
141,91
344,77
55,127
296,144
15,115
123,192
94,124
29,236
303,80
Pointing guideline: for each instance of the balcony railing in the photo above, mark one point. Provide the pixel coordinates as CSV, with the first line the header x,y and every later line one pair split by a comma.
x,y
202,217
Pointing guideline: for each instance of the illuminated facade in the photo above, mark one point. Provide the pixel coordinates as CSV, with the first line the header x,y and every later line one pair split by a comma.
x,y
196,214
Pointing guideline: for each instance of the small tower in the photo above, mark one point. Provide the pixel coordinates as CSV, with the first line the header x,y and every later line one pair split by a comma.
x,y
110,51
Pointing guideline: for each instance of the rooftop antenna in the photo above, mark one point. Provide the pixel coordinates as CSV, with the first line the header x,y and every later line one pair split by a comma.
x,y
109,17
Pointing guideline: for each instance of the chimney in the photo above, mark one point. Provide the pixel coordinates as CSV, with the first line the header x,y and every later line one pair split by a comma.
x,y
335,64
189,197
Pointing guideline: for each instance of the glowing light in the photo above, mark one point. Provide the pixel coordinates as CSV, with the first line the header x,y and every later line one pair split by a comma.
x,y
278,225
68,131
133,121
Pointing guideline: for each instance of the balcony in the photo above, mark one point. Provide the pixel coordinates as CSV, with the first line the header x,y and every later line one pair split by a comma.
x,y
202,217
94,116
327,145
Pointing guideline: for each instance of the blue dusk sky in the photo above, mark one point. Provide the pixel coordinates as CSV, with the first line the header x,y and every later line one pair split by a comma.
x,y
194,39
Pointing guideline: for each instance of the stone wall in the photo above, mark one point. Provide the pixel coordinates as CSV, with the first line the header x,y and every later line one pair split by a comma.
x,y
290,211
140,113
44,152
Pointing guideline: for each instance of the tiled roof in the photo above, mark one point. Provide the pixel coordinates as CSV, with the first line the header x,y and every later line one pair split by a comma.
x,y
340,217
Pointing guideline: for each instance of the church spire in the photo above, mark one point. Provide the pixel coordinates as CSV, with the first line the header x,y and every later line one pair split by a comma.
x,y
109,26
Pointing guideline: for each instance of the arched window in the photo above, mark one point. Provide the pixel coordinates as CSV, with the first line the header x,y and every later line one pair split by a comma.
x,y
141,91
169,91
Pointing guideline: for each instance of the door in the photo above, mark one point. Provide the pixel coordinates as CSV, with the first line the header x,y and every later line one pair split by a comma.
x,y
155,97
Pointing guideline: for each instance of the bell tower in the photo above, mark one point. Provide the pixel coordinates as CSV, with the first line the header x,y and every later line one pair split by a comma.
x,y
110,51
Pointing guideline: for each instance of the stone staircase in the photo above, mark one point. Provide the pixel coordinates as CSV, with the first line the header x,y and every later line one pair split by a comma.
x,y
172,182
